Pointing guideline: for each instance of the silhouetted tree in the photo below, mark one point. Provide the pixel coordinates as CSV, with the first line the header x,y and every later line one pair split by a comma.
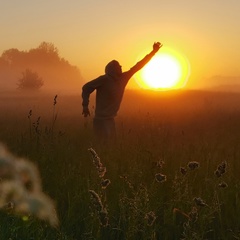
x,y
30,81
10,56
44,54
48,48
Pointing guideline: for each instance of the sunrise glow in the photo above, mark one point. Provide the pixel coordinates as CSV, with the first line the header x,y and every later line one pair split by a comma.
x,y
167,70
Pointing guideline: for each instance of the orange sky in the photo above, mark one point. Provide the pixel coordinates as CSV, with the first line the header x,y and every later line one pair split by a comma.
x,y
89,33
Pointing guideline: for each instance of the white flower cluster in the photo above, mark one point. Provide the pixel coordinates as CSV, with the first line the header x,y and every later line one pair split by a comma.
x,y
21,191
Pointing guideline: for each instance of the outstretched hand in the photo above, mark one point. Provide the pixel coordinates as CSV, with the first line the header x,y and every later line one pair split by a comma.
x,y
157,46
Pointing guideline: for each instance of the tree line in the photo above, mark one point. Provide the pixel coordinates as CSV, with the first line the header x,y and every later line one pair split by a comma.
x,y
37,67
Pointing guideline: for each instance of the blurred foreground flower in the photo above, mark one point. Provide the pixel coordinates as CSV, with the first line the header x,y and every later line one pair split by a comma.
x,y
20,188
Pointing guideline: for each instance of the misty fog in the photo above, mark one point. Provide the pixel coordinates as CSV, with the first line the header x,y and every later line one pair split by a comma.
x,y
56,72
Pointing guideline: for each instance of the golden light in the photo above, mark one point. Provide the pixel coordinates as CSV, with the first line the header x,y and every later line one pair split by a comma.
x,y
167,70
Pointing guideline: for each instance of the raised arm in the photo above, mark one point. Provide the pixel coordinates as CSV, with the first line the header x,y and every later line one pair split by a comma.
x,y
147,58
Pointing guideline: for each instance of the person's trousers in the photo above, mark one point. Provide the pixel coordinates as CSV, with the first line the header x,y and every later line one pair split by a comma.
x,y
104,129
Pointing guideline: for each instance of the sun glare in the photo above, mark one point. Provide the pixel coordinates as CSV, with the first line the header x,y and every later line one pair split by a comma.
x,y
166,70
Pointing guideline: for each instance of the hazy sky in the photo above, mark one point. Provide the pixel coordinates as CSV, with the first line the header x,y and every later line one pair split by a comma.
x,y
90,33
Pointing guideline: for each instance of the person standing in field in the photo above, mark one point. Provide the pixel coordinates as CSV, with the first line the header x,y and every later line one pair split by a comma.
x,y
109,92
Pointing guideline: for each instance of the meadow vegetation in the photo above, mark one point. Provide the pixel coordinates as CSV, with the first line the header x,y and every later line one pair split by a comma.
x,y
173,172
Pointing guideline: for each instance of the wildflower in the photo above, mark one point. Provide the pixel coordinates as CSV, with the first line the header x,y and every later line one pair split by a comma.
x,y
102,212
96,200
193,215
39,205
199,202
5,156
28,175
103,217
160,177
221,169
11,192
217,173
222,185
6,166
102,171
150,217
125,179
95,158
97,163
158,164
183,170
105,183
9,206
20,189
193,165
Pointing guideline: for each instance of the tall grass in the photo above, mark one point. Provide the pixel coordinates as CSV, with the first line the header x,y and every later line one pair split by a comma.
x,y
172,174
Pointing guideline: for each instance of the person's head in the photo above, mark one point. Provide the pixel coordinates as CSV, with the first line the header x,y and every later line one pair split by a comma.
x,y
113,68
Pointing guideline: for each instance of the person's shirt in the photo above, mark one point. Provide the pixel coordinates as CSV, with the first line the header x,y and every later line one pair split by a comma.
x,y
110,89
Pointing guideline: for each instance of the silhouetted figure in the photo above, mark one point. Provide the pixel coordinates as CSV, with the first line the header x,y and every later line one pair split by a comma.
x,y
110,88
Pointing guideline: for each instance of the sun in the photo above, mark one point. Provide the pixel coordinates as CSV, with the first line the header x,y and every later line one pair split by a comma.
x,y
166,70
162,72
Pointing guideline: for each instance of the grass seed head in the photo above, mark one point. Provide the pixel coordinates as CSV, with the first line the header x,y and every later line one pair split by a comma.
x,y
96,200
193,215
101,171
183,170
193,165
222,185
221,169
158,164
105,183
103,217
150,217
160,177
199,202
96,159
102,212
217,173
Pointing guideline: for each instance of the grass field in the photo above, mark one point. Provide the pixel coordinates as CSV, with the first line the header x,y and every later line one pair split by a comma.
x,y
173,172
